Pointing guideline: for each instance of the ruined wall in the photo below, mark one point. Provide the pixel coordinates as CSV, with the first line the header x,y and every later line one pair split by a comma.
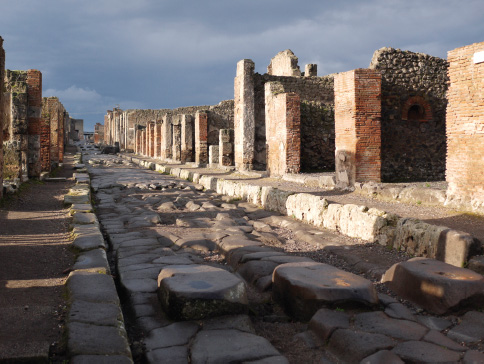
x,y
98,133
54,114
413,114
220,116
317,119
34,130
284,63
15,137
465,128
2,111
283,130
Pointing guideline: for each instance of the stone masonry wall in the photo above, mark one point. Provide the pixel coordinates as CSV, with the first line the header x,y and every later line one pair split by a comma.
x,y
317,119
15,137
2,111
465,128
413,115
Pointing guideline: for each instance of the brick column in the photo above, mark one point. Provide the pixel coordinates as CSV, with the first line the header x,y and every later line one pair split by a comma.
x,y
187,138
2,111
34,93
358,126
45,137
176,138
201,137
143,142
151,139
283,130
244,120
465,128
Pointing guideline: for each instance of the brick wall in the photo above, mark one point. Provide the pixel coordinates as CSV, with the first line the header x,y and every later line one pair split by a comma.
x,y
282,130
157,139
465,128
201,133
357,126
187,138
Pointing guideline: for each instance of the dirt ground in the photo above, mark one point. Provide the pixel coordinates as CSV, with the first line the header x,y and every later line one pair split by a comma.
x,y
34,253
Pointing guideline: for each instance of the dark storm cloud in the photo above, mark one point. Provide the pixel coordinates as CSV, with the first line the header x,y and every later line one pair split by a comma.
x,y
155,54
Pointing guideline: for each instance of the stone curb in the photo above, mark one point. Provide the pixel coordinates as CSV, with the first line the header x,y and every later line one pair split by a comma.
x,y
95,323
373,225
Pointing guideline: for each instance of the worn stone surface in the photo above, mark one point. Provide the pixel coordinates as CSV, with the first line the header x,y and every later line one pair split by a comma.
x,y
95,313
92,287
84,339
101,359
194,291
227,346
303,288
422,352
382,357
173,335
436,286
95,260
325,321
471,329
352,346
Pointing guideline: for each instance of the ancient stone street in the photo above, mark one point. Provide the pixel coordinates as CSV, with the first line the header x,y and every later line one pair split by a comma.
x,y
203,277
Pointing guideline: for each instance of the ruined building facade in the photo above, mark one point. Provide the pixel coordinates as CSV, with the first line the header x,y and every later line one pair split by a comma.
x,y
389,122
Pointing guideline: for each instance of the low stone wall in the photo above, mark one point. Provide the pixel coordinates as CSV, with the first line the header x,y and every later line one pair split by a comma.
x,y
413,236
95,324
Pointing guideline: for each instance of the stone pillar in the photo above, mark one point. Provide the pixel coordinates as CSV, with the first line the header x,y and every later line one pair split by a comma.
x,y
357,126
226,147
45,137
176,138
158,139
213,154
283,130
166,138
2,111
34,93
311,70
201,137
244,120
61,130
143,142
187,138
151,139
465,128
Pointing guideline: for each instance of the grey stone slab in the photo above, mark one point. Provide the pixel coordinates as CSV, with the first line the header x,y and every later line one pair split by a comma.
x,y
198,291
287,259
256,269
95,313
136,259
235,242
88,238
473,357
91,287
237,322
234,256
93,260
174,260
303,288
200,244
264,284
437,338
270,360
259,255
150,272
386,300
85,339
436,286
139,285
399,311
143,310
172,355
422,352
229,346
382,357
76,199
326,321
352,346
101,359
85,207
470,330
148,323
176,334
434,323
378,322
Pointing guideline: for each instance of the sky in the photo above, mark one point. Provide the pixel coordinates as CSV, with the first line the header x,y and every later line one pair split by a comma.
x,y
151,54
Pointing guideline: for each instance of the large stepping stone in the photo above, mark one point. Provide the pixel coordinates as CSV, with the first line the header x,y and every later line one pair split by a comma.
x,y
230,346
190,292
303,288
436,286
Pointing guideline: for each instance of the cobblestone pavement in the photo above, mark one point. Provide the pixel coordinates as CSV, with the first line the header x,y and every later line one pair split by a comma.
x,y
206,279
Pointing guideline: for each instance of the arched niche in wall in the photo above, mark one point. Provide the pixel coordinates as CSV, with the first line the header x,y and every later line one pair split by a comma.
x,y
416,108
